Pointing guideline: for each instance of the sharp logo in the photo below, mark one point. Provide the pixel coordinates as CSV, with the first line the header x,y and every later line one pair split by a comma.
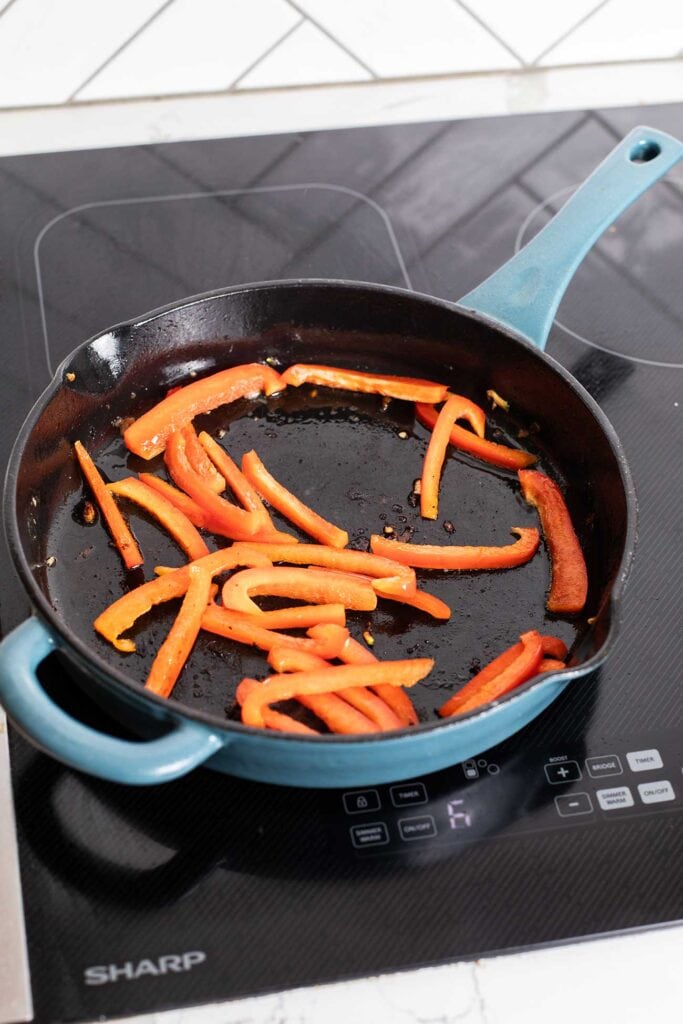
x,y
131,970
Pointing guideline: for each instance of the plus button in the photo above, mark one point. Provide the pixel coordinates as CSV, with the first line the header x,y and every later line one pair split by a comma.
x,y
562,771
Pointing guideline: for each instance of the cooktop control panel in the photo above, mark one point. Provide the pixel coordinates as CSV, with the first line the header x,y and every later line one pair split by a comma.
x,y
485,797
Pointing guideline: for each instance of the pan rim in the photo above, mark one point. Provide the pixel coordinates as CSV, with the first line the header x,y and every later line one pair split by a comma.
x,y
175,711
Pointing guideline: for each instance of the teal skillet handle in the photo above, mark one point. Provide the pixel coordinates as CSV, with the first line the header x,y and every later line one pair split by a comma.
x,y
525,292
48,727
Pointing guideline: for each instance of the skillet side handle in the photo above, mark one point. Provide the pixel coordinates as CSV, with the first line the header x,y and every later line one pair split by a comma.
x,y
51,729
525,292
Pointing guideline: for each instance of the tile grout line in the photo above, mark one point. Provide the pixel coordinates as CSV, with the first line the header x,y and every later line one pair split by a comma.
x,y
119,50
342,46
565,35
487,28
266,53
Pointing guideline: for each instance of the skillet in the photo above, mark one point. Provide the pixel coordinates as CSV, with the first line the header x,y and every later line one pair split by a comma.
x,y
351,458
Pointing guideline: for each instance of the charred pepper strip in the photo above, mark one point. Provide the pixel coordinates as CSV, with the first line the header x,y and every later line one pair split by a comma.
x,y
231,519
569,576
497,454
482,691
121,535
289,505
331,680
124,612
393,576
455,408
408,388
398,700
170,517
333,709
309,585
200,461
176,648
147,435
427,556
227,623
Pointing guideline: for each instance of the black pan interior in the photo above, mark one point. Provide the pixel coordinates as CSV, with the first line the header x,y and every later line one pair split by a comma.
x,y
353,458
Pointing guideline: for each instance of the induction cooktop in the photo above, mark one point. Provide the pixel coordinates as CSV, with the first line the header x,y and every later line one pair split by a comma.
x,y
210,888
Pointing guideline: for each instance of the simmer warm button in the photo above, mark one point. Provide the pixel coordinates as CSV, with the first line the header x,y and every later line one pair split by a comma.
x,y
613,799
644,760
656,792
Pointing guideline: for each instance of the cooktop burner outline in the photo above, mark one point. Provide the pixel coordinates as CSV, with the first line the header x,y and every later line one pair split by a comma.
x,y
219,193
520,242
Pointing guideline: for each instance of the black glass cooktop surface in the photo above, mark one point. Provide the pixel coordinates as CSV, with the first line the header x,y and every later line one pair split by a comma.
x,y
210,888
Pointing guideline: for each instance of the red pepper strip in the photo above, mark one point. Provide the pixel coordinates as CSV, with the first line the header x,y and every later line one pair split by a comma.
x,y
233,626
421,600
331,680
298,617
175,650
311,585
549,645
121,534
455,408
427,556
122,614
289,505
395,578
408,388
479,692
550,665
335,710
398,700
194,512
569,576
200,461
147,436
275,719
170,517
360,697
230,518
466,441
237,482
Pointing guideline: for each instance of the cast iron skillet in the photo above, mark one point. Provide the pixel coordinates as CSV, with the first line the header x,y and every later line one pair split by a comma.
x,y
349,453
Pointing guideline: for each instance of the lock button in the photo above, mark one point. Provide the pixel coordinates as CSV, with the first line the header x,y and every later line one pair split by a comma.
x,y
361,800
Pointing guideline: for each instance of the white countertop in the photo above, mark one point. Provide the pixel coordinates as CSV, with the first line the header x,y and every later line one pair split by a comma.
x,y
628,979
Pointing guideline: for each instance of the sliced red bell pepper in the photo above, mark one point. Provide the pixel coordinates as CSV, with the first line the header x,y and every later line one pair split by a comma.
x,y
289,505
420,599
331,680
486,687
394,576
333,709
275,719
148,434
233,626
497,454
231,519
549,645
122,614
569,576
353,653
176,648
247,495
428,556
170,517
120,532
200,461
300,616
194,512
409,389
310,585
455,408
550,665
